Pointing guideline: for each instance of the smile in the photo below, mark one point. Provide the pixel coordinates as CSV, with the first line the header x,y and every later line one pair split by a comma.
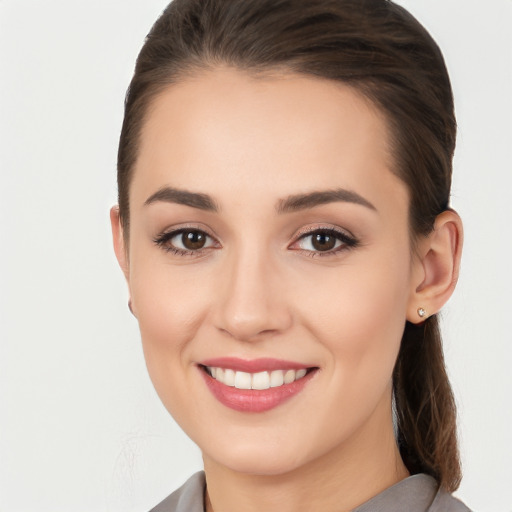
x,y
260,380
254,386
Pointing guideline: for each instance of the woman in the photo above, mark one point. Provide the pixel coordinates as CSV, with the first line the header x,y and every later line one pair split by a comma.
x,y
284,228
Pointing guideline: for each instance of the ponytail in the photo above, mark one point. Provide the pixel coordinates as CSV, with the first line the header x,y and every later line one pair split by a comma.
x,y
425,406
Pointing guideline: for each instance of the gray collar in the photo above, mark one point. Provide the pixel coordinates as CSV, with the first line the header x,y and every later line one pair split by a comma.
x,y
417,493
414,494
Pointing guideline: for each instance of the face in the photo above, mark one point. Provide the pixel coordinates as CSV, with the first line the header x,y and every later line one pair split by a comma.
x,y
269,249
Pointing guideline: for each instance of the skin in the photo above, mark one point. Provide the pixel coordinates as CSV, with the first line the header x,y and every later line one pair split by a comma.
x,y
260,288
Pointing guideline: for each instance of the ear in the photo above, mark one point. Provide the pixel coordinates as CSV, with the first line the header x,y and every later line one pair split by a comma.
x,y
119,242
436,268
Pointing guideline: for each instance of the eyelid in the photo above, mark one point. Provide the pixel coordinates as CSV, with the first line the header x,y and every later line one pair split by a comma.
x,y
347,239
323,227
165,236
187,226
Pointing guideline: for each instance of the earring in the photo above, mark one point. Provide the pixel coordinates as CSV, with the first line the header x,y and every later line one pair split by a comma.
x,y
422,312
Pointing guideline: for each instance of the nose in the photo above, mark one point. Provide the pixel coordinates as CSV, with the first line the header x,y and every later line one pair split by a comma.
x,y
251,301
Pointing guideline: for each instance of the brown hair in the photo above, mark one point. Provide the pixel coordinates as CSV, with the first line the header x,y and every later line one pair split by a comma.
x,y
382,51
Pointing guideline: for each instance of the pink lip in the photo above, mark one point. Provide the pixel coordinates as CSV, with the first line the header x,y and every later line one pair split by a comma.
x,y
254,400
254,365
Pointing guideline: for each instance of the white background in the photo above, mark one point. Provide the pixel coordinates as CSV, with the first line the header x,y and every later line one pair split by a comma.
x,y
81,428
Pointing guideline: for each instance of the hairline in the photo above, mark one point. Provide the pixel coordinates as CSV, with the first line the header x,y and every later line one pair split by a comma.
x,y
194,68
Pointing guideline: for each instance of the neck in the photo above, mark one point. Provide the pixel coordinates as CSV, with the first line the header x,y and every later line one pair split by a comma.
x,y
338,481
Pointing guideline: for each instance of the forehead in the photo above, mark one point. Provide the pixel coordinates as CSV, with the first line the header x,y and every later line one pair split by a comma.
x,y
224,129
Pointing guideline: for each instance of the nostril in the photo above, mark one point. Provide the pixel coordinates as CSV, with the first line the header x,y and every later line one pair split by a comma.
x,y
248,332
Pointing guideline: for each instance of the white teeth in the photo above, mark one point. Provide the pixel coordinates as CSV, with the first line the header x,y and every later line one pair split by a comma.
x,y
229,377
242,380
276,378
289,376
260,380
300,373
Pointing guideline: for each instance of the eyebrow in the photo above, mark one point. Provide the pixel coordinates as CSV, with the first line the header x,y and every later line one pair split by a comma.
x,y
174,195
310,200
290,204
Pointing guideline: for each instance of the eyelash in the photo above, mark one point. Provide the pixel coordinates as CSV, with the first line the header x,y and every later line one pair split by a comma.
x,y
347,241
163,241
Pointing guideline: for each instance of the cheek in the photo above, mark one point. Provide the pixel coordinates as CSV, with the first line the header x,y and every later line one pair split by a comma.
x,y
359,318
167,310
359,313
170,308
167,297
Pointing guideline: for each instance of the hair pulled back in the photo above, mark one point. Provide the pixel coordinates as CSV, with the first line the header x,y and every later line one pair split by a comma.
x,y
383,52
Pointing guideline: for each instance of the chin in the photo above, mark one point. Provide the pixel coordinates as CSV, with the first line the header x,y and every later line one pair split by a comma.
x,y
258,458
259,463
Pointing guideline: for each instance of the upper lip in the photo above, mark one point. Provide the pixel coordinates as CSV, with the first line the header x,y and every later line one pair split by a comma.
x,y
253,365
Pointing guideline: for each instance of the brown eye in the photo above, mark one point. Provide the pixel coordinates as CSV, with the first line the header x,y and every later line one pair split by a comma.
x,y
193,240
323,241
185,242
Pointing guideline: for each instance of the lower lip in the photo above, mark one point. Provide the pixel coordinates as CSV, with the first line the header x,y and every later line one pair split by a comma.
x,y
255,400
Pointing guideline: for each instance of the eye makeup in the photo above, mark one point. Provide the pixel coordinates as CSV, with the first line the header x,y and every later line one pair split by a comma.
x,y
186,241
324,241
318,241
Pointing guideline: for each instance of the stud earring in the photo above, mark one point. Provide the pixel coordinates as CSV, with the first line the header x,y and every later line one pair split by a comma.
x,y
422,312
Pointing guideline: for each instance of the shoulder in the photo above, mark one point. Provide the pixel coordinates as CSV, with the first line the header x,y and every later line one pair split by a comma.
x,y
417,493
188,498
445,502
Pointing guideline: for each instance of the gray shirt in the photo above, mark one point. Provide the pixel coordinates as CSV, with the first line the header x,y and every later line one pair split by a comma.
x,y
418,493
